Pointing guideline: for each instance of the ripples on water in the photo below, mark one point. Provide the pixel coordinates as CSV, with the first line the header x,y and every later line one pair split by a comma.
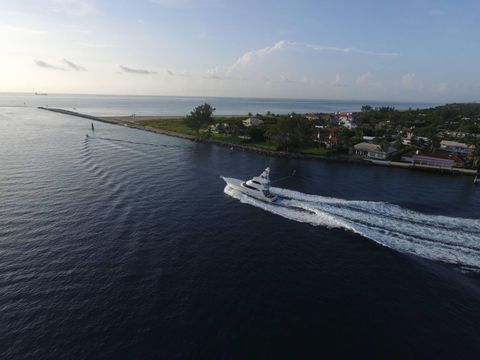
x,y
122,244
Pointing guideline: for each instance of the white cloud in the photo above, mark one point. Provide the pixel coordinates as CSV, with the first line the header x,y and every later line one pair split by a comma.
x,y
250,56
45,65
178,73
409,81
74,66
348,50
338,81
364,79
251,61
137,71
23,30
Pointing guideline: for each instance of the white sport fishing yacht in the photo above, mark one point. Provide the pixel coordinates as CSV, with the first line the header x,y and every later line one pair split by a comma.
x,y
257,187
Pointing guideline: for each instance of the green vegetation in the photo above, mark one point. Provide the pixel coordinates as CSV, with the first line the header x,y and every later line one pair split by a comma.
x,y
316,151
432,123
173,125
325,134
200,117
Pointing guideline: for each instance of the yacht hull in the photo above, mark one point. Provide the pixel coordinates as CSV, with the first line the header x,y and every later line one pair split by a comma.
x,y
237,184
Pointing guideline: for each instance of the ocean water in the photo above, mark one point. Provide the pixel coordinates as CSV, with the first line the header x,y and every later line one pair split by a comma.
x,y
126,245
111,105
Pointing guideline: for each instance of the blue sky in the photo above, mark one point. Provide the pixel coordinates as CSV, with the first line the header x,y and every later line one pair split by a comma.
x,y
367,50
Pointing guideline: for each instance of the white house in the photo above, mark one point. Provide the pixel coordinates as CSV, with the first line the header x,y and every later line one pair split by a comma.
x,y
346,120
372,151
218,126
454,146
252,121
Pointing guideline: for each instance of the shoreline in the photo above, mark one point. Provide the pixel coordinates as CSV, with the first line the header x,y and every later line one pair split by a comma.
x,y
117,120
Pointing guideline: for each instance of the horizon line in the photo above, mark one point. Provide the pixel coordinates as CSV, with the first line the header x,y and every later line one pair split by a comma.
x,y
365,101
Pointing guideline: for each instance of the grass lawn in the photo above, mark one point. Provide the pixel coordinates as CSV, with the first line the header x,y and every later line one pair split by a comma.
x,y
316,151
264,145
226,138
174,125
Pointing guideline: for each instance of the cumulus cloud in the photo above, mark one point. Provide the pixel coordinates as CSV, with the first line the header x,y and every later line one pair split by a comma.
x,y
263,62
286,79
43,64
364,79
218,73
338,81
408,81
181,74
282,45
74,66
136,71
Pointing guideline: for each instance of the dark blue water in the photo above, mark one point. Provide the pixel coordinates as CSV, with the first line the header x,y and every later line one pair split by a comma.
x,y
109,105
132,250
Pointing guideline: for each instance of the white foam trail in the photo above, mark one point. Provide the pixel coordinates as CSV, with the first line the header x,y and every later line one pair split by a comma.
x,y
441,238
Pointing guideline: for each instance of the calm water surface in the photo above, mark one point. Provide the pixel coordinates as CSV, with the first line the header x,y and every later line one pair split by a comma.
x,y
131,249
109,105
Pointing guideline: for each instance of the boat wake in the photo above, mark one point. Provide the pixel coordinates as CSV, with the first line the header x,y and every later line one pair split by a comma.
x,y
450,240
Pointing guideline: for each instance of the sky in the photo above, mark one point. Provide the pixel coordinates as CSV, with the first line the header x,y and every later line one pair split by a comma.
x,y
388,50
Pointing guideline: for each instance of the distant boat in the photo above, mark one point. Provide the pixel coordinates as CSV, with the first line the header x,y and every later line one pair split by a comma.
x,y
37,93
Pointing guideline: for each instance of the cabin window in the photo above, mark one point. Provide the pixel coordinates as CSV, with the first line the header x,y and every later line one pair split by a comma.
x,y
250,187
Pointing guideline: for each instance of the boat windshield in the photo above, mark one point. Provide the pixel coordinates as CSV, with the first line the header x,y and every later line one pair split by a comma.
x,y
250,187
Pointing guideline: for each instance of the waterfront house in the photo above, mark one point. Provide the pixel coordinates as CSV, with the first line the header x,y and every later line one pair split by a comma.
x,y
368,139
346,120
372,151
456,134
431,159
455,146
219,127
313,117
252,121
328,137
420,140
